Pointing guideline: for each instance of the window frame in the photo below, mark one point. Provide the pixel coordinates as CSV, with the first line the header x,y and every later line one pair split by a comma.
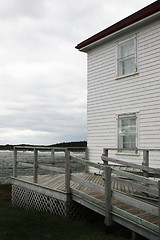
x,y
118,44
125,115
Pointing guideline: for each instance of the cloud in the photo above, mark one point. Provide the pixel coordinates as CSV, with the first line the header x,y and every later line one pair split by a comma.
x,y
43,78
18,8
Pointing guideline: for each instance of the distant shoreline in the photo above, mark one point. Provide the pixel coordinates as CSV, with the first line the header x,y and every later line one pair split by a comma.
x,y
80,144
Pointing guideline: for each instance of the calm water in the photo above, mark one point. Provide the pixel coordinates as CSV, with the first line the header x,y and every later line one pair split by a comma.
x,y
6,163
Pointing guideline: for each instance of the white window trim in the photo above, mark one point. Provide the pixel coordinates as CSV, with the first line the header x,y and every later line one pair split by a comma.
x,y
137,133
136,60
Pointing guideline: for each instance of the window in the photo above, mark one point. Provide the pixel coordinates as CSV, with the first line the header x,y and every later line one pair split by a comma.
x,y
127,132
126,57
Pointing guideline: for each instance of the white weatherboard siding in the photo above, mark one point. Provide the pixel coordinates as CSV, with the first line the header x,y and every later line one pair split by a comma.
x,y
140,94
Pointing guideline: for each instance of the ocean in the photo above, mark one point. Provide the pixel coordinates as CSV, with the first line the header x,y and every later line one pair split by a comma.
x,y
6,163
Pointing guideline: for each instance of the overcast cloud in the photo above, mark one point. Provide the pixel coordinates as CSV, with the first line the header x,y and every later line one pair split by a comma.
x,y
43,78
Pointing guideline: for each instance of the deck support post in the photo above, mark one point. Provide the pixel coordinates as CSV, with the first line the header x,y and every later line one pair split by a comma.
x,y
134,235
15,163
35,166
107,175
159,205
67,171
145,162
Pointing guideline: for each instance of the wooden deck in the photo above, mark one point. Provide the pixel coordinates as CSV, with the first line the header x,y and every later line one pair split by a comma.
x,y
119,196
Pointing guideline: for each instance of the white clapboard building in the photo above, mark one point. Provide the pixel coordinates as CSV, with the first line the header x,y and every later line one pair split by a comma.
x,y
123,109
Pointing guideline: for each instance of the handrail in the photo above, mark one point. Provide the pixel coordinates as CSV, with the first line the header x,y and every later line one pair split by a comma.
x,y
134,177
128,164
35,165
142,186
86,162
31,148
122,177
133,149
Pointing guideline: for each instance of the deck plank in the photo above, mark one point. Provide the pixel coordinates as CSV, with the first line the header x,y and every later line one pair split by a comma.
x,y
57,182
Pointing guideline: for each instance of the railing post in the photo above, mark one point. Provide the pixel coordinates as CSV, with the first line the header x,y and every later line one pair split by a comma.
x,y
67,171
35,166
67,183
145,162
107,185
86,158
15,163
159,205
52,156
105,153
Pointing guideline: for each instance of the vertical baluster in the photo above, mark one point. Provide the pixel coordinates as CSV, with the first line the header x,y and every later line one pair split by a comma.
x,y
15,163
52,157
35,166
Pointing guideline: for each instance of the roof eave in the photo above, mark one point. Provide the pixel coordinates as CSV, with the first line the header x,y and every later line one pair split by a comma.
x,y
125,23
109,37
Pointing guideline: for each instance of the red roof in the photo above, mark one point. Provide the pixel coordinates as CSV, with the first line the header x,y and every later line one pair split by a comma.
x,y
135,17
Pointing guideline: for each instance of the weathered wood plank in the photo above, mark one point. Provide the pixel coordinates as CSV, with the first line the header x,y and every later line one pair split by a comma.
x,y
15,163
107,184
87,184
42,179
145,162
124,163
39,148
135,177
35,166
94,200
67,171
159,205
50,168
135,219
135,227
23,164
85,162
135,202
88,198
88,203
138,187
40,189
52,156
134,149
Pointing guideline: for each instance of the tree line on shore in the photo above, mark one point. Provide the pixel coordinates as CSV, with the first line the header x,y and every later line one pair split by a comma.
x,y
79,144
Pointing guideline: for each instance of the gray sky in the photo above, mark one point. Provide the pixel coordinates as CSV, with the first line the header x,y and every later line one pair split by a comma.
x,y
43,78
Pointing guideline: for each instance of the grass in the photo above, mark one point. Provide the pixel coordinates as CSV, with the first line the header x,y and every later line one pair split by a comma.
x,y
20,224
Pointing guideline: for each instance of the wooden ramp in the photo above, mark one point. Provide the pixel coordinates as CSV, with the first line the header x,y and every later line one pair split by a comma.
x,y
120,196
54,186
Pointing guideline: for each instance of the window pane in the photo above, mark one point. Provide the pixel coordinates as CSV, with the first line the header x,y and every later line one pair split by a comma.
x,y
126,57
126,66
127,132
126,48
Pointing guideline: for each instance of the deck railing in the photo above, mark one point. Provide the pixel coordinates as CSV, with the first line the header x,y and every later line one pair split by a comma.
x,y
144,192
36,165
126,182
144,168
122,182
